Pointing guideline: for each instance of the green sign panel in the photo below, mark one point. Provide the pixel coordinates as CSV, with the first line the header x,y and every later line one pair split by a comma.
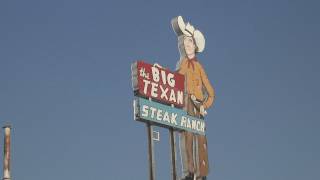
x,y
146,110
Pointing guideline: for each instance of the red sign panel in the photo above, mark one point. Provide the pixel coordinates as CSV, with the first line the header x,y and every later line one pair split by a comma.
x,y
158,83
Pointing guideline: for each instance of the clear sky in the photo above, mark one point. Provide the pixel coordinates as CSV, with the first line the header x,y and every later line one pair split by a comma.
x,y
65,86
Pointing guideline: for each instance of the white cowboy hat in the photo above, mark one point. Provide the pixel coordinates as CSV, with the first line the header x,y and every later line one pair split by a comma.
x,y
180,28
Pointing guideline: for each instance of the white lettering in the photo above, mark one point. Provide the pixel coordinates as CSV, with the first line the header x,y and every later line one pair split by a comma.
x,y
180,97
155,74
203,126
188,123
163,77
145,111
159,114
145,88
173,118
172,96
153,111
171,80
166,117
183,121
154,89
194,124
198,126
164,93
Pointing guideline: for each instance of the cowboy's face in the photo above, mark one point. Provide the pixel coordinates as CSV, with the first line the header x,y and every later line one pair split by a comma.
x,y
189,45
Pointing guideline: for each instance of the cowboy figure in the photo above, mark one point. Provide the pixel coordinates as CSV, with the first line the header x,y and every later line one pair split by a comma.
x,y
199,97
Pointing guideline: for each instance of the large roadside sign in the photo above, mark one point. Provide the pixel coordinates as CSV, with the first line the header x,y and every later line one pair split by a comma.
x,y
176,102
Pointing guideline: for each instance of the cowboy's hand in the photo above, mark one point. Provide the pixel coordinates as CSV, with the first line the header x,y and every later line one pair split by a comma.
x,y
193,97
203,112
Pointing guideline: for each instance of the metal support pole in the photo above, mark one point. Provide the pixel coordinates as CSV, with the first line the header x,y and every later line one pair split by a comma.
x,y
6,159
151,152
173,154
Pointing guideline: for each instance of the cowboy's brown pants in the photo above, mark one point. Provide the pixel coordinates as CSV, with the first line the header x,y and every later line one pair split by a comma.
x,y
197,162
196,152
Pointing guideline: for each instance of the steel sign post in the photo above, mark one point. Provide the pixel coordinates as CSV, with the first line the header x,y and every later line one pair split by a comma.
x,y
173,154
151,152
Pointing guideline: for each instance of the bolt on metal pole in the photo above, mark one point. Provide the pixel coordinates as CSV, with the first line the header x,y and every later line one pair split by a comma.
x,y
6,159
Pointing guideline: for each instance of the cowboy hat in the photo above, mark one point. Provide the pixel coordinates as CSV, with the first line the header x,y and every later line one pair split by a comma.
x,y
181,28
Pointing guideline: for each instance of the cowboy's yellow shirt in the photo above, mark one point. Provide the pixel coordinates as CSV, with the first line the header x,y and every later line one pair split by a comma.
x,y
195,79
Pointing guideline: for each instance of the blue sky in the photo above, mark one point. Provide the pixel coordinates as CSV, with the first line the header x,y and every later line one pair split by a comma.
x,y
65,86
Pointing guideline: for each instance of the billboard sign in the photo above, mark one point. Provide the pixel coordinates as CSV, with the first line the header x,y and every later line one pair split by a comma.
x,y
158,83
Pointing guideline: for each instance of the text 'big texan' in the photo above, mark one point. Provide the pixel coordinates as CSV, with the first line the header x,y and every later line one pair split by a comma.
x,y
158,83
